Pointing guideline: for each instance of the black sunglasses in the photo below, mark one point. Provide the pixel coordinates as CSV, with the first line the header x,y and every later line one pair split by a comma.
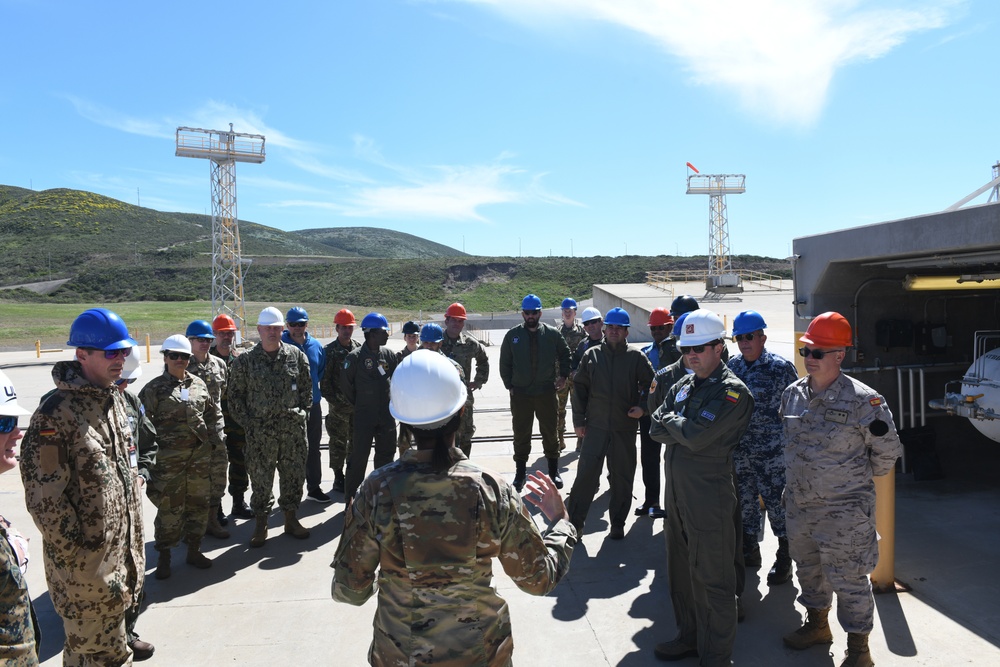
x,y
7,424
659,328
297,324
697,349
111,354
174,356
742,337
816,354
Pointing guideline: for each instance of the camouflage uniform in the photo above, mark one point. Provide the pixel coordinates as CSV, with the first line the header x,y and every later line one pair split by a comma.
x,y
433,537
835,442
340,418
271,398
611,380
19,635
78,464
463,350
236,437
365,384
701,422
574,335
188,426
760,461
214,373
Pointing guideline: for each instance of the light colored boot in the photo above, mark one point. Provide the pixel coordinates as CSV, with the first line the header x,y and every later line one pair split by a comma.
x,y
259,531
858,654
214,528
816,630
293,527
196,557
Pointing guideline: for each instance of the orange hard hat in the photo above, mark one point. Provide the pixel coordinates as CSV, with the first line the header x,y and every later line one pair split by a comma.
x,y
828,330
223,322
456,310
660,317
344,318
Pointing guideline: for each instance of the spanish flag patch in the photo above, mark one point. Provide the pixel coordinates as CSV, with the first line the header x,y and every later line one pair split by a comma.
x,y
874,402
732,396
46,432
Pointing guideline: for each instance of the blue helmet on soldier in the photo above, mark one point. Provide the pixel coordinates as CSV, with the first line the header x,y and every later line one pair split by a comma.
x,y
296,314
531,302
747,322
431,333
100,329
618,317
374,321
568,303
200,329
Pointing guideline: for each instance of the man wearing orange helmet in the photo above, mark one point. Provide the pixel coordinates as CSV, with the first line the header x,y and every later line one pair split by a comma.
x,y
838,436
463,349
224,328
340,419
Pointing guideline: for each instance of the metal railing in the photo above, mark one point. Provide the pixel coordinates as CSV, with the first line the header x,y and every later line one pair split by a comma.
x,y
665,280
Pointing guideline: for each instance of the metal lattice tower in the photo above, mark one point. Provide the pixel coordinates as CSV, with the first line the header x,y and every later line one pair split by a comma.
x,y
995,195
224,149
717,186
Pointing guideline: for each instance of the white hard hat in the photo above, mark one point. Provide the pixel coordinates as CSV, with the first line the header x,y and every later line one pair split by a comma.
x,y
426,390
270,317
131,369
701,326
8,398
176,343
589,314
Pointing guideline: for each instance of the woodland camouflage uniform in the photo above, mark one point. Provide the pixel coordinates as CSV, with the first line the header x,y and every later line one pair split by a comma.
x,y
214,373
464,350
340,419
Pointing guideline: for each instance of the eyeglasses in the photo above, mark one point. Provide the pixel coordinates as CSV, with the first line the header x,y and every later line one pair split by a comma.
x,y
7,424
113,354
739,338
297,324
659,328
697,349
120,381
816,354
174,356
532,312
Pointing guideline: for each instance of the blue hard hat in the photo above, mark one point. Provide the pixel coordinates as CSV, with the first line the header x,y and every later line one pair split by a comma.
x,y
411,328
568,303
676,331
296,314
747,322
617,316
374,321
431,333
100,329
199,329
531,302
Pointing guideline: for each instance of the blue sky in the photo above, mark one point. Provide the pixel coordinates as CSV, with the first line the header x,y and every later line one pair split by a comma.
x,y
506,127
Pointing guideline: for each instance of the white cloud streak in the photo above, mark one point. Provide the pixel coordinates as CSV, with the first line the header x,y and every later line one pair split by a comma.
x,y
777,57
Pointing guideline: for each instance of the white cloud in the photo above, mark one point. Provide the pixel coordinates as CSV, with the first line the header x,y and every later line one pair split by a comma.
x,y
776,56
108,117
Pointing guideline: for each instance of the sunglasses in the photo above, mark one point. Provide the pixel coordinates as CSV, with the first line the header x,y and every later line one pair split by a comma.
x,y
697,349
659,328
532,312
174,356
113,354
7,424
739,338
297,324
816,354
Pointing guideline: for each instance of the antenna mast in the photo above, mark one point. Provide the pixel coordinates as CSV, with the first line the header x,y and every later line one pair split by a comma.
x,y
720,277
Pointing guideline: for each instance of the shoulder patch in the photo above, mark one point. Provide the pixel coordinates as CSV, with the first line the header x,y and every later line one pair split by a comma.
x,y
46,432
874,402
732,396
708,415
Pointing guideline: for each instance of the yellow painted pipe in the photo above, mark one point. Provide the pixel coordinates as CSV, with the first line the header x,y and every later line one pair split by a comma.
x,y
884,576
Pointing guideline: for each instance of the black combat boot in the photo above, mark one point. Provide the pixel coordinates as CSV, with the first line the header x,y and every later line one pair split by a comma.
x,y
751,551
554,473
519,476
240,509
163,564
781,571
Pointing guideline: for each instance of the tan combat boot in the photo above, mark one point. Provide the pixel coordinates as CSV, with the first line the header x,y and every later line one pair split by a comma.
x,y
816,630
214,528
195,556
259,531
858,654
293,527
163,564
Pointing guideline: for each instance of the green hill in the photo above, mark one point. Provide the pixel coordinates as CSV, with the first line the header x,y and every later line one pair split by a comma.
x,y
375,242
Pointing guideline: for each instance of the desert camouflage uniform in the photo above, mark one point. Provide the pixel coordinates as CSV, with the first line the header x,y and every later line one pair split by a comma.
x,y
214,373
701,422
760,460
271,398
19,636
340,419
574,335
188,426
433,537
236,437
365,383
835,442
78,464
463,350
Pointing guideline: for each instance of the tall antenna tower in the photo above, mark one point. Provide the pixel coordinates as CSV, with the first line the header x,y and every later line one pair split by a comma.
x,y
224,149
720,277
995,195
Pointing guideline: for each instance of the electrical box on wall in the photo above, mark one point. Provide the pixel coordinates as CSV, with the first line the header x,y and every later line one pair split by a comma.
x,y
930,338
893,333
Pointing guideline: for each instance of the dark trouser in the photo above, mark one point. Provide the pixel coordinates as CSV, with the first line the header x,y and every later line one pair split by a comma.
x,y
523,410
649,458
314,433
381,429
239,480
619,449
131,617
702,510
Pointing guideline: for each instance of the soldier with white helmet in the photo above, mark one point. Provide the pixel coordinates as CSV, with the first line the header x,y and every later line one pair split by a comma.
x,y
188,424
270,395
701,421
838,436
436,598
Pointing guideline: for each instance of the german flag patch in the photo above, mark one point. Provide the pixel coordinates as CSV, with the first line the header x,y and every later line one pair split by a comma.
x,y
46,432
732,396
875,402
